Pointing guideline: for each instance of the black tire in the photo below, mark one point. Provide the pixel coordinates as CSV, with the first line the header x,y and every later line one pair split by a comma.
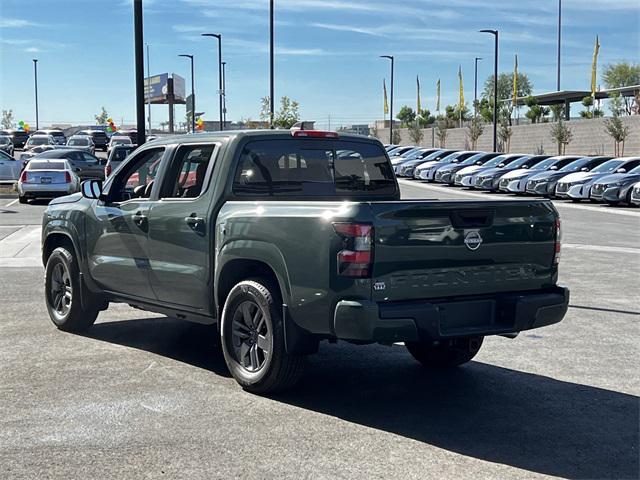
x,y
22,199
447,354
62,293
250,302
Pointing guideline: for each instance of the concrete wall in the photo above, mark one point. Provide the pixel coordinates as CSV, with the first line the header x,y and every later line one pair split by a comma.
x,y
589,137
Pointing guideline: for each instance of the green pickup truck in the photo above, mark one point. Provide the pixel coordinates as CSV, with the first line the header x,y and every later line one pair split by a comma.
x,y
287,238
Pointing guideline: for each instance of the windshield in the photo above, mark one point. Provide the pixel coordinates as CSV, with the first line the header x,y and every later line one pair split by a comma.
x,y
545,164
498,160
519,162
79,141
401,150
37,165
120,154
609,166
634,170
484,157
415,154
5,140
38,141
121,141
575,165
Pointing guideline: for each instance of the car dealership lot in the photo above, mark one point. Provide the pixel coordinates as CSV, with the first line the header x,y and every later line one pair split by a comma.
x,y
145,396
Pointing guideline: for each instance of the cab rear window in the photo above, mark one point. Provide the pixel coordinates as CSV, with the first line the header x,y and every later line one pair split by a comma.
x,y
313,168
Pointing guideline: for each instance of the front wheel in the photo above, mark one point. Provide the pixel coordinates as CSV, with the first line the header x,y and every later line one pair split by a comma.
x,y
447,353
22,199
252,337
62,293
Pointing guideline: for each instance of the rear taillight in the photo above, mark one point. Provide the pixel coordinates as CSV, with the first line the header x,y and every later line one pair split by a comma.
x,y
107,170
556,256
67,177
355,259
24,176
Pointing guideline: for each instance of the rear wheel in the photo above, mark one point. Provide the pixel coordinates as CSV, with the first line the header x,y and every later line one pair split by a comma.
x,y
62,293
252,337
446,354
22,199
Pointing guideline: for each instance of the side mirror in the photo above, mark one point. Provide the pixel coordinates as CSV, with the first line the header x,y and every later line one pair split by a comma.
x,y
501,165
555,167
478,163
621,170
524,166
91,189
77,169
455,160
584,169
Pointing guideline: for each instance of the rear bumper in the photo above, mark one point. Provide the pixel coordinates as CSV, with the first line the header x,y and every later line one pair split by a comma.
x,y
479,315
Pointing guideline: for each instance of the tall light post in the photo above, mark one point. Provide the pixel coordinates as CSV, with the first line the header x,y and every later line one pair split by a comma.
x,y
35,80
193,95
224,92
149,85
475,83
139,62
390,57
220,92
271,66
559,39
495,88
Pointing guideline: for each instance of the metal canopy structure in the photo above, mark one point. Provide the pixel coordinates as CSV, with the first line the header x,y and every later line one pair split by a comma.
x,y
567,97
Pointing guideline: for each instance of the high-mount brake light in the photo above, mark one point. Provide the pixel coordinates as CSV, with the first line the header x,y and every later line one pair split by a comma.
x,y
558,247
356,257
314,134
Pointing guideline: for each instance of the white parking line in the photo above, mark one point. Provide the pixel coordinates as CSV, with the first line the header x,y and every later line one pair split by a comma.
x,y
560,205
12,203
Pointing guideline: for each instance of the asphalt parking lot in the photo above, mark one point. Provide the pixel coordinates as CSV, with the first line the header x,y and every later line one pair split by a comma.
x,y
142,396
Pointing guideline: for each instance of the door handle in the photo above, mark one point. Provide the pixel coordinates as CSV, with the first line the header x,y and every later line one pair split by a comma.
x,y
140,220
196,223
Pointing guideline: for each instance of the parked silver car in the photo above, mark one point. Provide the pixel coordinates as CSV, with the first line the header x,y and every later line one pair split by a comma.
x,y
9,168
47,178
82,142
635,195
38,141
6,145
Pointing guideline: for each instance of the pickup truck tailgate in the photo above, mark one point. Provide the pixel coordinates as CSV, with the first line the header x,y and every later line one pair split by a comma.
x,y
433,249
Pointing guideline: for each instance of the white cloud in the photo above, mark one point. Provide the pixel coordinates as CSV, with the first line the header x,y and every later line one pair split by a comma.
x,y
16,23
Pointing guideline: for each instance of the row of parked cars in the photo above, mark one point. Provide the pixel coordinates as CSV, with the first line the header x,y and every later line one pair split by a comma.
x,y
576,177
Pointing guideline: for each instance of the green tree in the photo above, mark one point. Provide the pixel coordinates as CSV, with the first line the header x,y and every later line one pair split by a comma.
x,y
101,118
622,74
415,133
536,112
562,135
618,132
285,117
442,133
474,130
557,112
425,118
406,115
505,86
7,119
395,137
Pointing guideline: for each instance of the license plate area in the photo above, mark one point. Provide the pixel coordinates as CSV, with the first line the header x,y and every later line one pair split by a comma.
x,y
45,179
460,317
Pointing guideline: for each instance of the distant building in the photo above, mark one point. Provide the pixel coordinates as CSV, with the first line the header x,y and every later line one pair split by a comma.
x,y
380,124
359,129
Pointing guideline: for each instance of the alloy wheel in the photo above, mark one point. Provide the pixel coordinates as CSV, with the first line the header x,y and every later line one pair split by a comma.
x,y
251,336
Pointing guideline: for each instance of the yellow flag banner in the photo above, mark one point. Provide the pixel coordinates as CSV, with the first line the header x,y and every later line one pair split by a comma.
x,y
461,104
438,95
514,100
594,67
418,106
386,104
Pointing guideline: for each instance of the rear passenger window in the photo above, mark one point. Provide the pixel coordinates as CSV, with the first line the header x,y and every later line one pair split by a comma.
x,y
309,168
188,173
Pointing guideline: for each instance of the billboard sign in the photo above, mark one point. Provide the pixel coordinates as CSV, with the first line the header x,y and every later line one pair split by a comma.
x,y
178,88
155,88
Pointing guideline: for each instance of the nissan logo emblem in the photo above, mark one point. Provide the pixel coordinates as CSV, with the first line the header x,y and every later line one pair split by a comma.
x,y
473,240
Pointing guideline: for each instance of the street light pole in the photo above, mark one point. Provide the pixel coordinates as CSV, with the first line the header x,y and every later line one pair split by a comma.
x,y
390,57
224,93
149,84
271,66
35,79
475,84
559,38
139,62
220,92
495,88
193,95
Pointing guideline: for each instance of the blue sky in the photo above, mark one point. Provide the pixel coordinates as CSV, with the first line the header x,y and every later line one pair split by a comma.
x,y
327,51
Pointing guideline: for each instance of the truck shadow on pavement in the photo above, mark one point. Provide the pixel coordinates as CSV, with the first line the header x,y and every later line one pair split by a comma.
x,y
495,414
